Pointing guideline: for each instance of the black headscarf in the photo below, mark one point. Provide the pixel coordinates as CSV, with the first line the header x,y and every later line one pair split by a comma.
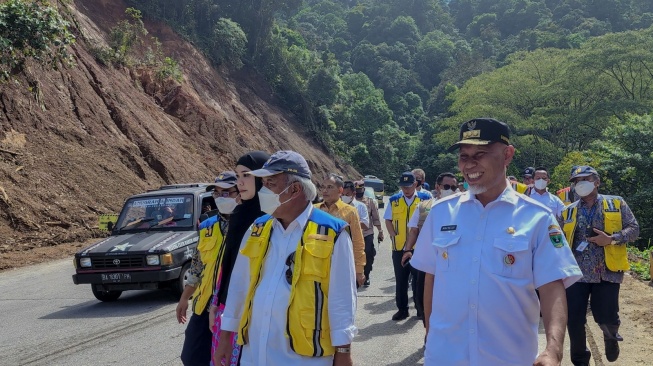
x,y
239,221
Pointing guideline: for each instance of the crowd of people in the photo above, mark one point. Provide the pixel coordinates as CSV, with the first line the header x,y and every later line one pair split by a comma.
x,y
275,277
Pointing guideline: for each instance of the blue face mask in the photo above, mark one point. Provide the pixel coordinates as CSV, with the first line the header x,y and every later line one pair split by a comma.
x,y
465,185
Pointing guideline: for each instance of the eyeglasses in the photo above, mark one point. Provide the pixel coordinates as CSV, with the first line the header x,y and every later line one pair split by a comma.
x,y
451,187
290,262
225,194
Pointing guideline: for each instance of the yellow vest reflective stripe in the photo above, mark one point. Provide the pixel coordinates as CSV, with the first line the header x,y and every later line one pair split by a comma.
x,y
211,250
401,214
564,195
616,257
307,326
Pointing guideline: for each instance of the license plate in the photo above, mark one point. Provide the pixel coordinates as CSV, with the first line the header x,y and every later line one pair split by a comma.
x,y
116,277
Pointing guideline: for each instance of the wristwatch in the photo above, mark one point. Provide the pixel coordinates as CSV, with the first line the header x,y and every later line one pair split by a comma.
x,y
343,349
614,241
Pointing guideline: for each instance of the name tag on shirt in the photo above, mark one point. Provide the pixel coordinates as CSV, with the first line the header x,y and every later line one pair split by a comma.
x,y
448,228
582,246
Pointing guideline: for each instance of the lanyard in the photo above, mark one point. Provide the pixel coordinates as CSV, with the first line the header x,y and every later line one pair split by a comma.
x,y
589,216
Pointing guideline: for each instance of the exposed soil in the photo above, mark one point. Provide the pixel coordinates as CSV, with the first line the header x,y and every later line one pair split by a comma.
x,y
77,142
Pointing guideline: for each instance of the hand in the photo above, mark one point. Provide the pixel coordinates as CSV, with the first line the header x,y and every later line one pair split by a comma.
x,y
212,311
547,358
224,350
360,279
406,257
381,237
182,308
342,359
602,239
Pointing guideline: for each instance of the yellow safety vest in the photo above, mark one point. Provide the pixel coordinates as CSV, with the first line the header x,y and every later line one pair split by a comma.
x,y
307,327
401,214
565,195
616,257
520,188
211,250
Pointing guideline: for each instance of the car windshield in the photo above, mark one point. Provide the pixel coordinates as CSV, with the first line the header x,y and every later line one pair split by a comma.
x,y
377,185
156,212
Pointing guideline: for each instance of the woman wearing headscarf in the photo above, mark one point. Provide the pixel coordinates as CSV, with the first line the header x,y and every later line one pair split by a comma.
x,y
241,219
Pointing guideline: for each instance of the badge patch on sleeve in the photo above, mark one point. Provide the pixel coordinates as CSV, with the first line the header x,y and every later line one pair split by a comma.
x,y
555,235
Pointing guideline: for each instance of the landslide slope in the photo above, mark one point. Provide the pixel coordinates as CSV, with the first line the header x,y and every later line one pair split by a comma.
x,y
76,142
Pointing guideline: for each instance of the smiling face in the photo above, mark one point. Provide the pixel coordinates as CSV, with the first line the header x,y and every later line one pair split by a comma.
x,y
246,182
484,168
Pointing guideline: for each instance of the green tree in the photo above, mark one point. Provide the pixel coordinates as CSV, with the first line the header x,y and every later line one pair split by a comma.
x,y
31,30
228,43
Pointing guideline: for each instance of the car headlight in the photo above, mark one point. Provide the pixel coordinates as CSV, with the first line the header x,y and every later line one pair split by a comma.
x,y
85,262
152,260
166,259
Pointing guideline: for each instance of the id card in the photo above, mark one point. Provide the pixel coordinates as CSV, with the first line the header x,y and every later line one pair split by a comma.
x,y
582,246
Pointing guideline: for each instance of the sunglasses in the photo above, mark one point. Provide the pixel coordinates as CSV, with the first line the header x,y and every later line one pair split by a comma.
x,y
451,187
224,194
290,262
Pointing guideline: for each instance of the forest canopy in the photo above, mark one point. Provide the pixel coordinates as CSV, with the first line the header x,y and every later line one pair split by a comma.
x,y
386,83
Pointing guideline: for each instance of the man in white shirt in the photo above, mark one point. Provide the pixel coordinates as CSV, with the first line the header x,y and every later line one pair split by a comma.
x,y
420,177
292,298
542,195
489,249
349,197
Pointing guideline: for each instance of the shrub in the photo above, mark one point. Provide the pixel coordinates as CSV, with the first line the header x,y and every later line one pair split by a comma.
x,y
31,30
229,43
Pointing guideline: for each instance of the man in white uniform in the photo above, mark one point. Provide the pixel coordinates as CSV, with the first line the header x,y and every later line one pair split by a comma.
x,y
349,197
489,249
541,194
292,297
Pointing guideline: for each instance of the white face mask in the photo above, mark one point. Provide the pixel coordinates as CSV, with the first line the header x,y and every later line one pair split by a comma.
x,y
226,205
584,188
540,184
269,200
347,199
446,193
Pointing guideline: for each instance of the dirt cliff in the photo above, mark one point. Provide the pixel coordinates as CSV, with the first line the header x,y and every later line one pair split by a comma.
x,y
76,142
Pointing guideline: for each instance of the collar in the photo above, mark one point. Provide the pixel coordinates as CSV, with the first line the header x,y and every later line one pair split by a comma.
x,y
300,221
546,192
508,195
599,199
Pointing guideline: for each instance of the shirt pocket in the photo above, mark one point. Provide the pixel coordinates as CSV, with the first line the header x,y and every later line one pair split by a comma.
x,y
445,253
511,257
316,257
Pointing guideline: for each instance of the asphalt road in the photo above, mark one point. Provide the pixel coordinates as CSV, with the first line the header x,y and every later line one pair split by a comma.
x,y
47,320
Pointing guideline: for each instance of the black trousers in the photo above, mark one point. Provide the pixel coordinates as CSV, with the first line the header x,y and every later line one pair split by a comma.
x,y
418,290
402,275
370,253
197,343
604,300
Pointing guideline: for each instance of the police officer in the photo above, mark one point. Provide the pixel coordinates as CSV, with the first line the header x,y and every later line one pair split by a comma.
x,y
489,249
368,234
597,227
402,206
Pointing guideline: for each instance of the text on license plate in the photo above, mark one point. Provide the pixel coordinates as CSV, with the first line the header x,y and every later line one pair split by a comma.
x,y
116,277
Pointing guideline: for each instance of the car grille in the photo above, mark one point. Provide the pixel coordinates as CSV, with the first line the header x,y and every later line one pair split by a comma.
x,y
118,262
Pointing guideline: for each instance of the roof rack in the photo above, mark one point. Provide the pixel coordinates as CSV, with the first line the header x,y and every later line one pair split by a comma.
x,y
186,185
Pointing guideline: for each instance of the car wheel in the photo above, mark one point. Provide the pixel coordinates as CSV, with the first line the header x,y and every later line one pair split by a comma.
x,y
106,295
181,283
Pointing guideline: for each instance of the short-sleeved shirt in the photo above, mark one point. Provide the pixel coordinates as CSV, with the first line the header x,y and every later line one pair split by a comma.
x,y
550,200
363,215
387,215
487,263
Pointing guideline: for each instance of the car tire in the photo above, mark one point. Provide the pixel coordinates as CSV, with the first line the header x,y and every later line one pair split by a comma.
x,y
106,296
179,284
